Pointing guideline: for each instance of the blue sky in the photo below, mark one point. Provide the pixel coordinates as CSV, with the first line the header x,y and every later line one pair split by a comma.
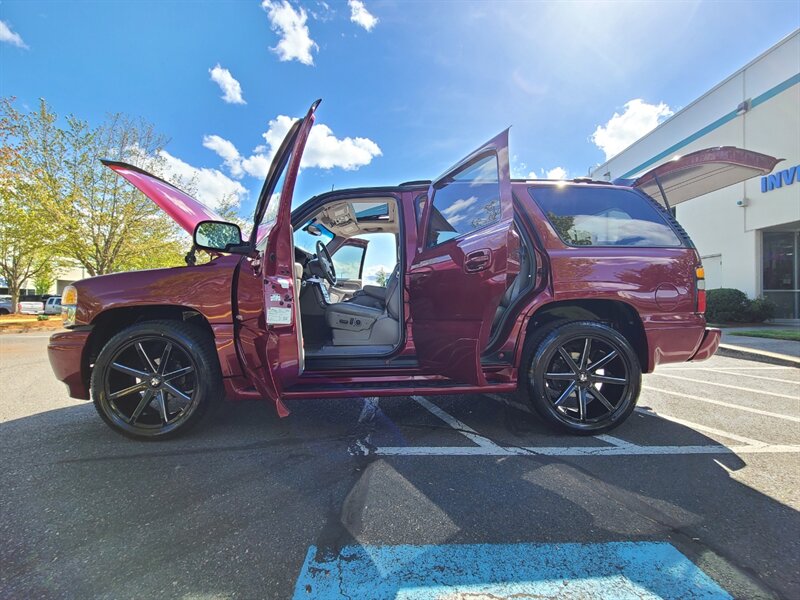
x,y
408,87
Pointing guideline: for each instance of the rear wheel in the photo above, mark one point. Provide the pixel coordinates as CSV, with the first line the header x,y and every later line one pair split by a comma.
x,y
583,377
156,379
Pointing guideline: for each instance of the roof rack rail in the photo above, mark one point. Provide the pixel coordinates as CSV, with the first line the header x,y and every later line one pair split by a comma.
x,y
416,182
590,180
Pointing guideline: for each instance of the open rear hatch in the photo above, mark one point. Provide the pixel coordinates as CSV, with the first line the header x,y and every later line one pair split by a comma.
x,y
701,172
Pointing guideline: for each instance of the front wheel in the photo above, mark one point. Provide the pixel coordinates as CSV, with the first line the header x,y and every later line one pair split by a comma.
x,y
583,377
156,379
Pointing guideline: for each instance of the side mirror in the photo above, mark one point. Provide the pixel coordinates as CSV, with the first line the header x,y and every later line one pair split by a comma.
x,y
219,236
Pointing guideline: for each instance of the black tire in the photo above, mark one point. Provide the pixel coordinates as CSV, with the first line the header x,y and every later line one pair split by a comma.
x,y
143,396
605,383
4,312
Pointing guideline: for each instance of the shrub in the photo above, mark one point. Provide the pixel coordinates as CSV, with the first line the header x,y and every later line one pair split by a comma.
x,y
42,318
728,305
761,309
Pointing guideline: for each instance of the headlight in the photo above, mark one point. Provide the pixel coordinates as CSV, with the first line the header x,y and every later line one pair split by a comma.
x,y
69,305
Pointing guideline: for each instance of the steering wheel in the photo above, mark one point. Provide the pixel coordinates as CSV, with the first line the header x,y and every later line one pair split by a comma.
x,y
326,263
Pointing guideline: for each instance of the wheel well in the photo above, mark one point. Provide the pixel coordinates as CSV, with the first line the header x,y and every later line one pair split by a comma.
x,y
619,315
107,324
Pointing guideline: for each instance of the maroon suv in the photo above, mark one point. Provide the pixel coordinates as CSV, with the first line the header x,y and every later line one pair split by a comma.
x,y
567,290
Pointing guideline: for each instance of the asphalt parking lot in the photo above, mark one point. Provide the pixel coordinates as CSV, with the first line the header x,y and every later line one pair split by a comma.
x,y
449,496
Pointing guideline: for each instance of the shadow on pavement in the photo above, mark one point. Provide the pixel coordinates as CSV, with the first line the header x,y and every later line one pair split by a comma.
x,y
231,509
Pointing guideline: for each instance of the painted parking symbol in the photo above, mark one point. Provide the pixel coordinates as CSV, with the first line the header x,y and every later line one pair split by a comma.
x,y
622,570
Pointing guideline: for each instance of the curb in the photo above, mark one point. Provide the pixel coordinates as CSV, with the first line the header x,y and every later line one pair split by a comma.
x,y
773,358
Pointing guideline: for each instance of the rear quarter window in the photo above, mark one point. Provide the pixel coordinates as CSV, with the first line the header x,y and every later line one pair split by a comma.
x,y
596,216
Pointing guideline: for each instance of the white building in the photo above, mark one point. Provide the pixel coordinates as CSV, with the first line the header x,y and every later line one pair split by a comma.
x,y
64,276
748,234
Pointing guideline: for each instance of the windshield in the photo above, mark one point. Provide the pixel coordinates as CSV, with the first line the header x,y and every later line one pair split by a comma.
x,y
308,242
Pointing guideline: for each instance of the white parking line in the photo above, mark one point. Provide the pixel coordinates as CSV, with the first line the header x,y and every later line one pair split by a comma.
x,y
794,381
617,447
725,404
699,427
614,441
462,428
732,387
678,367
631,450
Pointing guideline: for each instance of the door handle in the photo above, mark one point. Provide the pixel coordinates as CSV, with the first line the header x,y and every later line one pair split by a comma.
x,y
477,260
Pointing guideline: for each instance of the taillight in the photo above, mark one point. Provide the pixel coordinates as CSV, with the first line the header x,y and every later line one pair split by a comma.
x,y
700,274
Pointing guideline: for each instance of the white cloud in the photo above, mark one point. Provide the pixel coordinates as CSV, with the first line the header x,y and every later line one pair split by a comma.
x,y
323,150
210,186
232,91
10,36
290,24
326,151
622,130
360,15
458,206
556,173
227,151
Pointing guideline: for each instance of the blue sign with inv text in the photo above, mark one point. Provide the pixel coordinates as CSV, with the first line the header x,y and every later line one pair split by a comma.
x,y
779,179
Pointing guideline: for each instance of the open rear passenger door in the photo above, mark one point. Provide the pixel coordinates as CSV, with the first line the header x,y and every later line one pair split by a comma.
x,y
461,268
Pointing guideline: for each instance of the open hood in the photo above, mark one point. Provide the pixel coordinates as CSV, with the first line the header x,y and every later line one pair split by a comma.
x,y
185,210
701,172
188,212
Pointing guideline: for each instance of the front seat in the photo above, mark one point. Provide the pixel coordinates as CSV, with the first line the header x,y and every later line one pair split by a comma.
x,y
357,325
375,296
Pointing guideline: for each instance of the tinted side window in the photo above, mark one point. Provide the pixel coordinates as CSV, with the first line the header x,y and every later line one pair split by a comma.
x,y
347,261
465,201
585,216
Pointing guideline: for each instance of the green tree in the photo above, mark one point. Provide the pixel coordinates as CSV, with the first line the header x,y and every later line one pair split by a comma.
x,y
44,279
381,276
97,218
25,237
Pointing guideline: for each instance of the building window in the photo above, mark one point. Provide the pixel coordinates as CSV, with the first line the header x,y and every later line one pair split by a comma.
x,y
781,271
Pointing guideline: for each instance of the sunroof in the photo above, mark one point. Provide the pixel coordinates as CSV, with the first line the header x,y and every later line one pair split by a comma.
x,y
368,211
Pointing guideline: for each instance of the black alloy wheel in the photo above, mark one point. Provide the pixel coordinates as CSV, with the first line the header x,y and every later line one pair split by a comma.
x,y
156,379
584,377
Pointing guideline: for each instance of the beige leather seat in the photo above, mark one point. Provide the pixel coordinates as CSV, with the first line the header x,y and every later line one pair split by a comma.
x,y
356,325
376,295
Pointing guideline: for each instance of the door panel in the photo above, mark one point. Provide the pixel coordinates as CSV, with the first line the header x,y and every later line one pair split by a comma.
x,y
461,269
267,312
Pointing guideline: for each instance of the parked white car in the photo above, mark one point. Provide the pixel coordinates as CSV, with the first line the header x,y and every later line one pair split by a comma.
x,y
30,307
53,305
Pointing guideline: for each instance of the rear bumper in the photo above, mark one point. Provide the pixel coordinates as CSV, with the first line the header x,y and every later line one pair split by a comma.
x,y
65,352
709,344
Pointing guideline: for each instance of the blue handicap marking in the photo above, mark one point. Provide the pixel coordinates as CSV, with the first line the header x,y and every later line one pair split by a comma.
x,y
618,570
